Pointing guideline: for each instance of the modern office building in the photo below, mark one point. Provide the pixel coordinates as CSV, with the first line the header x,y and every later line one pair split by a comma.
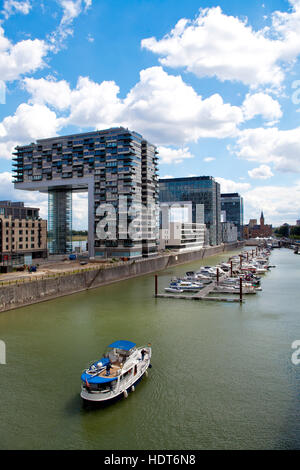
x,y
23,234
233,205
177,231
202,191
118,169
183,236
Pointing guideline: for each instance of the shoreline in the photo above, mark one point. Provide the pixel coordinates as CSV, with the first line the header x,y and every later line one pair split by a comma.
x,y
37,290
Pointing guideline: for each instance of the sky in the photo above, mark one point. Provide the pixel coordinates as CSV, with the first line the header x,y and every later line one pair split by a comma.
x,y
215,85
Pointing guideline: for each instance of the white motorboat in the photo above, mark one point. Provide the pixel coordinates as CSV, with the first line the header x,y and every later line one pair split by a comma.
x,y
116,373
190,286
174,290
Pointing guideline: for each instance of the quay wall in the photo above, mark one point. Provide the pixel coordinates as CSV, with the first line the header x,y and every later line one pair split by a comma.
x,y
36,290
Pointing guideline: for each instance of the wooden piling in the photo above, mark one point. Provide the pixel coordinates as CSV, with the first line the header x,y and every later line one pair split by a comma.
x,y
156,285
241,290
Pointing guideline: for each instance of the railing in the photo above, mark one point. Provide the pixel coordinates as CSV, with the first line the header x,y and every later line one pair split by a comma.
x,y
63,274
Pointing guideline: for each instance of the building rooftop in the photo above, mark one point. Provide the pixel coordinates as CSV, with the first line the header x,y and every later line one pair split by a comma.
x,y
187,178
230,195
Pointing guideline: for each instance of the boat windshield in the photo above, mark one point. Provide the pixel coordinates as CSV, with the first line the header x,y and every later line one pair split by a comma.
x,y
117,355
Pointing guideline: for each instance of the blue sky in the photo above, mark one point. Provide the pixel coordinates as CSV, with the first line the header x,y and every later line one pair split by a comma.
x,y
215,85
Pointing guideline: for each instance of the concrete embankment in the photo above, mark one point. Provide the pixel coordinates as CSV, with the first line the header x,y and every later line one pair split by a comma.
x,y
23,293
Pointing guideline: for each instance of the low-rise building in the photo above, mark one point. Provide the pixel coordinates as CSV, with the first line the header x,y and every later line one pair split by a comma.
x,y
23,234
183,236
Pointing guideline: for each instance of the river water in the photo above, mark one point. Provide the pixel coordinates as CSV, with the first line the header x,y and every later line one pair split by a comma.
x,y
222,375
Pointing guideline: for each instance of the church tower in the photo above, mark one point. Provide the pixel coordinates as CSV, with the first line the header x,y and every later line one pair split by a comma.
x,y
262,220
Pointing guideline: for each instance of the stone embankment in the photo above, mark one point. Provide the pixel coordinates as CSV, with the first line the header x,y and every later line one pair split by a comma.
x,y
19,293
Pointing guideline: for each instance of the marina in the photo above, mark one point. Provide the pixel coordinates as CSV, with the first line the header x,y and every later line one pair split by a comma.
x,y
219,279
221,377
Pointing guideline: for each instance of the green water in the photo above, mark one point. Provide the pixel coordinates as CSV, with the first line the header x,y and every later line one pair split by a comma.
x,y
222,375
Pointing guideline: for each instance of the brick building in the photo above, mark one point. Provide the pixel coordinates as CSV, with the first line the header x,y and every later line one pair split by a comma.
x,y
253,230
23,234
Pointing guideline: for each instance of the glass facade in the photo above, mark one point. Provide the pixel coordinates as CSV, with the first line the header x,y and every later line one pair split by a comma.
x,y
59,222
233,205
200,191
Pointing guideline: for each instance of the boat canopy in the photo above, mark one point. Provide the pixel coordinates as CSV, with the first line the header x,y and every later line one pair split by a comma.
x,y
96,380
124,345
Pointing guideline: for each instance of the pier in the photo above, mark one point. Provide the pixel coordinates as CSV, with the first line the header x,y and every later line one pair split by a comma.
x,y
216,286
204,294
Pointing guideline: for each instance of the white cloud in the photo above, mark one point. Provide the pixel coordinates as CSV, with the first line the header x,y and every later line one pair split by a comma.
x,y
279,203
30,198
29,123
54,93
168,111
71,10
171,155
263,105
215,44
94,105
282,148
90,38
160,106
21,58
230,186
10,7
263,172
208,159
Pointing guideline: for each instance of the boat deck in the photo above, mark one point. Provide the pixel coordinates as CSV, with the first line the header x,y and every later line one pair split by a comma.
x,y
112,373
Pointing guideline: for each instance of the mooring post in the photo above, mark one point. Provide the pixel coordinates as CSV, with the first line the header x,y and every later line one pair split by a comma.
x,y
247,256
231,270
241,290
218,276
156,285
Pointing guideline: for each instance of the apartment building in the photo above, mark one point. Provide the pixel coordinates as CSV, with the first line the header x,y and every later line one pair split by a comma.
x,y
118,169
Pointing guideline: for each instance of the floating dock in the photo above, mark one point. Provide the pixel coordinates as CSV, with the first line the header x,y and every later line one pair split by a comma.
x,y
202,295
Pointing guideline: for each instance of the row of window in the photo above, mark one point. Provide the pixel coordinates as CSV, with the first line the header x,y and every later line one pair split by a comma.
x,y
20,247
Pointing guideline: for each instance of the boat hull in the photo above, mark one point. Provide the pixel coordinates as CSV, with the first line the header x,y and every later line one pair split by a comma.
x,y
112,399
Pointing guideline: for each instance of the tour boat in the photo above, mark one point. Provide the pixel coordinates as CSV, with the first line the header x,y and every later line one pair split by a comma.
x,y
116,373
